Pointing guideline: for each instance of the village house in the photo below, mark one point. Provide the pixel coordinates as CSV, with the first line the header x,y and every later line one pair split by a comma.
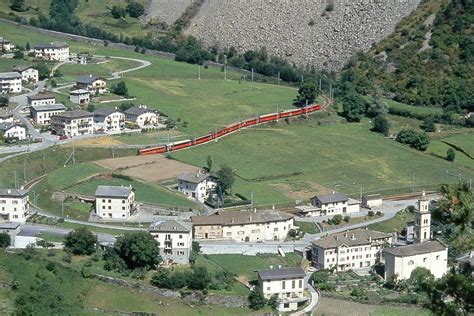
x,y
10,82
14,205
52,52
287,283
141,116
350,250
12,131
5,45
6,116
28,73
332,204
243,226
42,114
198,185
80,96
108,119
425,252
10,228
372,200
94,84
114,202
175,238
73,123
41,99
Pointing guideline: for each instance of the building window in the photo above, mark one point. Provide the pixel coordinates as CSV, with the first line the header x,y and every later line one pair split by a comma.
x,y
410,262
425,259
437,257
180,236
283,284
300,283
293,284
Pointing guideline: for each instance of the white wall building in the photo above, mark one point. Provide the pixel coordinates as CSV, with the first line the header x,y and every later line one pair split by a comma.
x,y
94,84
5,45
372,200
41,99
80,96
175,239
287,283
10,82
52,52
108,119
10,228
12,131
14,205
113,202
28,73
141,116
198,185
73,123
243,226
6,116
351,250
334,204
41,114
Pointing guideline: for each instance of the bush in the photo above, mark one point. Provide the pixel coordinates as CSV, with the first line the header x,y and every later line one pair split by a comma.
x,y
415,139
80,241
292,233
5,240
3,101
135,9
450,155
120,89
370,213
379,213
256,299
347,218
381,125
336,220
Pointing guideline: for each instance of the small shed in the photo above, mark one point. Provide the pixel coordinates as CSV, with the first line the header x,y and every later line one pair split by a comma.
x,y
372,200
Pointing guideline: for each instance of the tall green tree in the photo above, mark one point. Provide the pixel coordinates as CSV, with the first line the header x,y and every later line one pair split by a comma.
x,y
354,107
209,163
135,9
380,124
5,240
138,250
120,89
225,178
450,154
18,5
80,241
118,12
307,94
256,299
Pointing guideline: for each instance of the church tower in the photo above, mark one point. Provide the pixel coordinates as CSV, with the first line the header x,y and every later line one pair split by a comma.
x,y
422,220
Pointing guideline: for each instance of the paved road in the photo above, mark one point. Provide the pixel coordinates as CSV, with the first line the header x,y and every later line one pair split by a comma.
x,y
35,229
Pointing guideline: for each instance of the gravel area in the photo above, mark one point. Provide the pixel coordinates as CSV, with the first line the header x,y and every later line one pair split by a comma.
x,y
166,10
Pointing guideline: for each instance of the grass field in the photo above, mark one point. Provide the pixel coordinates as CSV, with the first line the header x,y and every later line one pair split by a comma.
x,y
395,224
463,145
418,110
307,227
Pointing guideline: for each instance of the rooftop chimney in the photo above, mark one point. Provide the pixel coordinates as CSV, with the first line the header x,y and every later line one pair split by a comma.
x,y
279,266
370,238
337,237
345,234
352,237
232,220
9,191
271,267
333,192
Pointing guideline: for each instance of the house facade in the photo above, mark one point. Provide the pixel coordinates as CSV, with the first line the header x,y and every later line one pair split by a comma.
x,y
28,73
80,96
243,226
175,238
6,116
372,200
198,185
350,250
12,131
41,99
334,204
10,82
73,123
14,205
114,202
5,45
108,119
42,114
10,228
94,84
287,283
141,116
52,52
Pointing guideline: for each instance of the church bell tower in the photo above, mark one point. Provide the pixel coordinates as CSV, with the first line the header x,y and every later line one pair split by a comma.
x,y
422,220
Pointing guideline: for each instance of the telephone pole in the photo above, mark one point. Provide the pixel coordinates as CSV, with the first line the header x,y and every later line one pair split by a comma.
x,y
252,75
199,72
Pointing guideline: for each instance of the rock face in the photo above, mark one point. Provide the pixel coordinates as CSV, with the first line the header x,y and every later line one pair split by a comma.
x,y
303,31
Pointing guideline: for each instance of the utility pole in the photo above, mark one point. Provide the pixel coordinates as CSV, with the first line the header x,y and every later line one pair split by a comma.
x,y
278,78
62,208
252,75
302,78
225,73
413,182
251,199
16,183
199,72
24,169
320,84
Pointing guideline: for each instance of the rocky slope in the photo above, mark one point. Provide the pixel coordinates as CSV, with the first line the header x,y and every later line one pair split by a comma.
x,y
319,33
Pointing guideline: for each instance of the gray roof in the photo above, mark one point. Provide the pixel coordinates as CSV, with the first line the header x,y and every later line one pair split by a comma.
x,y
9,225
194,177
372,197
281,273
41,96
74,114
5,114
22,68
135,110
5,126
10,75
105,111
241,217
468,258
88,79
416,249
113,191
332,198
79,91
51,45
350,238
170,226
13,192
4,40
48,107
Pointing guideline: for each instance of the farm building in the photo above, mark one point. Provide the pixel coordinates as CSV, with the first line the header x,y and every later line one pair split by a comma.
x,y
5,45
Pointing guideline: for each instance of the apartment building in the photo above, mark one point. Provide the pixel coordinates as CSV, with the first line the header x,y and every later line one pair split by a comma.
x,y
350,250
243,226
41,99
108,119
12,131
73,123
28,73
198,185
141,116
287,283
42,114
52,52
14,205
80,96
10,82
94,84
175,238
114,202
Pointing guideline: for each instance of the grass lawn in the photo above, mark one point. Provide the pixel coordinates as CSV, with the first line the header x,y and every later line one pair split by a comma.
x,y
463,141
159,137
418,110
352,221
307,227
395,224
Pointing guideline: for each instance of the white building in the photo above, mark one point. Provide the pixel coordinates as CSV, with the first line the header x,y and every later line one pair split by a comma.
x,y
198,185
10,82
350,250
372,200
12,131
10,228
108,119
73,123
14,205
243,226
80,96
42,114
175,240
141,116
287,283
94,84
28,73
5,45
113,202
41,99
6,116
424,252
52,52
333,204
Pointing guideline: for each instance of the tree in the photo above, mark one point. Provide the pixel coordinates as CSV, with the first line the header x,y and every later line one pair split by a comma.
x,y
381,125
118,12
256,299
43,70
17,5
320,276
135,9
420,276
90,107
80,241
225,178
200,278
18,54
209,163
429,124
3,101
353,106
120,89
376,107
415,139
450,155
138,250
195,251
307,94
273,301
161,278
27,46
5,240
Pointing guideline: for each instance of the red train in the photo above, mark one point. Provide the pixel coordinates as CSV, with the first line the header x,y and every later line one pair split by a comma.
x,y
226,130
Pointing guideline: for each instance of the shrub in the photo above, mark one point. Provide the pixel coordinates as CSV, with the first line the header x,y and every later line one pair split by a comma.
x,y
379,213
256,300
381,125
135,9
80,241
370,213
347,218
292,233
414,139
5,240
450,155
